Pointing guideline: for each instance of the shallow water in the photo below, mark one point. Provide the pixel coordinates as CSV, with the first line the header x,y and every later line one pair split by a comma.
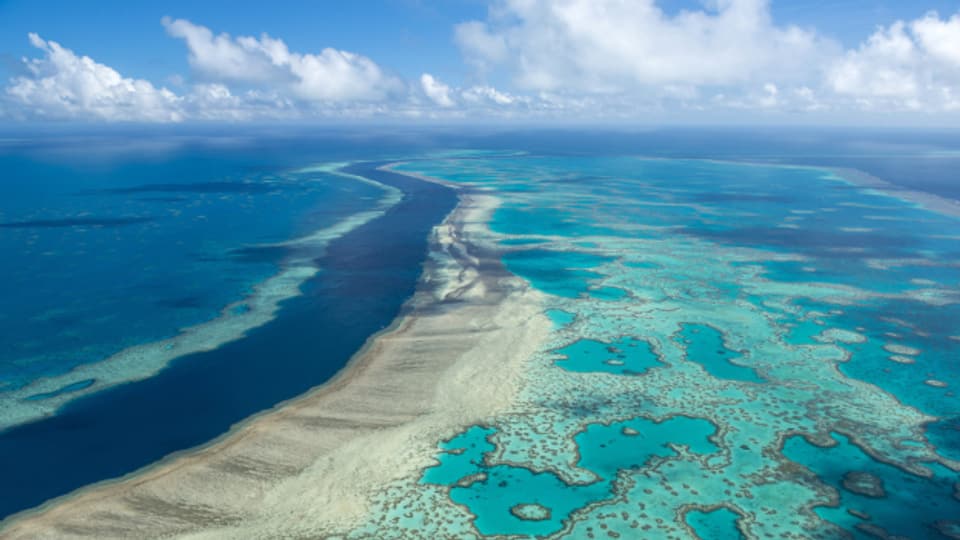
x,y
763,302
725,335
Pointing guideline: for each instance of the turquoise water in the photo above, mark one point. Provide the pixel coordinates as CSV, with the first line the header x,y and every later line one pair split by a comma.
x,y
497,494
723,335
609,293
705,346
626,356
463,455
720,524
560,318
632,444
751,304
558,273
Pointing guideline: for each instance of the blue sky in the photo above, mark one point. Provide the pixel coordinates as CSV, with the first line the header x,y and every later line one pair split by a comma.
x,y
451,41
403,34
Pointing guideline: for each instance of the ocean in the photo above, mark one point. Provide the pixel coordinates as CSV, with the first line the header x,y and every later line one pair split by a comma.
x,y
739,340
106,264
741,330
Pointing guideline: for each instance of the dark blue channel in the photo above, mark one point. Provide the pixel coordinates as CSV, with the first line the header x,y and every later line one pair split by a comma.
x,y
366,276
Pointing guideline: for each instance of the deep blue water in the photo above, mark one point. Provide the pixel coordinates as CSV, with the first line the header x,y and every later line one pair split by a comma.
x,y
107,253
909,502
366,276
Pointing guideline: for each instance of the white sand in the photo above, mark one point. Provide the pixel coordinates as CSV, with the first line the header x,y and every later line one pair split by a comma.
x,y
927,200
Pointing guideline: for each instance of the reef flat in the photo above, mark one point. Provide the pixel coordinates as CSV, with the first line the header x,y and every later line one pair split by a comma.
x,y
613,347
725,361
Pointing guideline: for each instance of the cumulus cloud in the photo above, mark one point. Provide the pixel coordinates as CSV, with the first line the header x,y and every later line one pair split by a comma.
x,y
241,78
215,101
437,91
484,47
912,65
329,76
487,95
611,46
881,67
730,53
940,38
479,100
63,85
563,59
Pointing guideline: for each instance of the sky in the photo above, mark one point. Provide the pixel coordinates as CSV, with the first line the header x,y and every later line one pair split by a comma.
x,y
586,61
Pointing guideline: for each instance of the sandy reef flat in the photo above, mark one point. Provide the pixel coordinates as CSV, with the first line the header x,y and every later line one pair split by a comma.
x,y
709,375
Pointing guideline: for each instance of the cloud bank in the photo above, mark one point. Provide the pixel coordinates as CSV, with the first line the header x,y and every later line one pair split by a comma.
x,y
237,79
731,54
62,84
913,66
556,59
328,76
612,46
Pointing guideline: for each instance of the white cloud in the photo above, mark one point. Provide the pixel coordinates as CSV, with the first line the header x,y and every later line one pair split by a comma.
x,y
240,79
215,101
770,98
612,46
905,66
62,85
941,39
631,56
478,101
437,91
329,76
487,95
881,67
484,46
549,59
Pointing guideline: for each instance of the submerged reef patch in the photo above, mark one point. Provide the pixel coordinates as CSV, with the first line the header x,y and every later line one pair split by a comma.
x,y
714,524
512,500
753,364
625,356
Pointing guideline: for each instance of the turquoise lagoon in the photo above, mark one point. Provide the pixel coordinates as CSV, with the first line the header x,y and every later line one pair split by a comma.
x,y
781,361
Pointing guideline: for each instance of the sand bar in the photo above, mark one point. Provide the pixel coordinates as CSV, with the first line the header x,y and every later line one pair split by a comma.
x,y
930,201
